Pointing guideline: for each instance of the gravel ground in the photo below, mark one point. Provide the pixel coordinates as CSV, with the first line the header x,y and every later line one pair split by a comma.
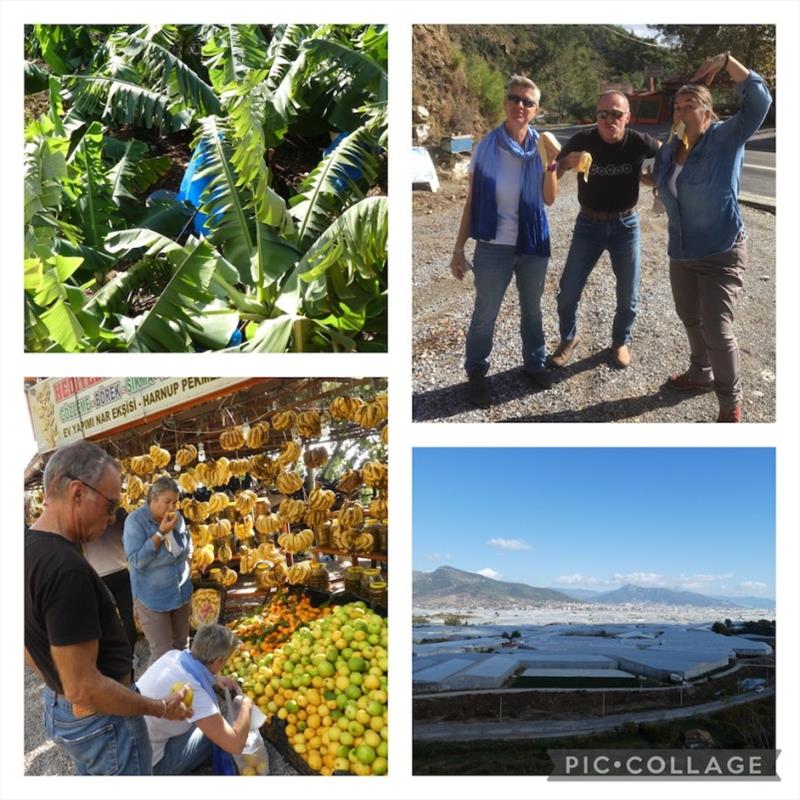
x,y
588,389
44,757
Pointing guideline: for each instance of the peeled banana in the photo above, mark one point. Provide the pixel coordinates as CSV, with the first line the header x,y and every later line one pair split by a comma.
x,y
584,165
679,132
548,147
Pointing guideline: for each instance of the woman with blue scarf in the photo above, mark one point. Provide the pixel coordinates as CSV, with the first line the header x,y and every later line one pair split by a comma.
x,y
504,213
179,748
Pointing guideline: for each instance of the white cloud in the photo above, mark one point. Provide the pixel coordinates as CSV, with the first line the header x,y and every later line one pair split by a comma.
x,y
747,587
438,557
508,544
640,578
488,572
576,579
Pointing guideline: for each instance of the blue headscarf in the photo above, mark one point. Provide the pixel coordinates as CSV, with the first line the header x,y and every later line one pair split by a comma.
x,y
533,236
198,671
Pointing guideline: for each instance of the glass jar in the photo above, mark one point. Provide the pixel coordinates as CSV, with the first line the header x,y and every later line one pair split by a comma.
x,y
369,576
215,575
322,534
379,594
352,579
320,577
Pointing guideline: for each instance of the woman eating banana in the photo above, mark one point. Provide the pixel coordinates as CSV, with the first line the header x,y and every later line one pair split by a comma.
x,y
697,178
510,183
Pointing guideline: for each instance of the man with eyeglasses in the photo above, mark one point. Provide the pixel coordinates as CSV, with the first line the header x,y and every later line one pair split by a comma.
x,y
607,222
74,637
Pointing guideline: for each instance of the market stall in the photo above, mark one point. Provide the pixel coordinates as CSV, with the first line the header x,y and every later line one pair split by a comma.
x,y
284,488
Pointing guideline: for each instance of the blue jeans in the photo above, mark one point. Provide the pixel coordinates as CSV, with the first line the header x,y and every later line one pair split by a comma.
x,y
590,238
494,264
184,754
100,744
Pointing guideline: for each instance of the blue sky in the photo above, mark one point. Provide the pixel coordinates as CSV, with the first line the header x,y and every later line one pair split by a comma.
x,y
699,519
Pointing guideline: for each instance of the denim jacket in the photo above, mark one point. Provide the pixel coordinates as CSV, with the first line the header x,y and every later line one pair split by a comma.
x,y
704,219
159,579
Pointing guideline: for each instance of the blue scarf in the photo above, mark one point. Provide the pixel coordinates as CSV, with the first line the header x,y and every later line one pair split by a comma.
x,y
533,237
198,671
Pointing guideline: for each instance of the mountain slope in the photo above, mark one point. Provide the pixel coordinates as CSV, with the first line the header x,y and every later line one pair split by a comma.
x,y
448,586
658,596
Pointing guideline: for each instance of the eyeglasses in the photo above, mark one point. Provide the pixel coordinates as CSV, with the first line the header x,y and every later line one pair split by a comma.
x,y
113,505
515,98
613,114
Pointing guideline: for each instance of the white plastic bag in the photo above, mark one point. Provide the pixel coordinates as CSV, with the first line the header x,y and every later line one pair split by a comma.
x,y
253,759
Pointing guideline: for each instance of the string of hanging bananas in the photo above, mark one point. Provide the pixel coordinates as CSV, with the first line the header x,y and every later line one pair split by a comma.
x,y
367,414
296,542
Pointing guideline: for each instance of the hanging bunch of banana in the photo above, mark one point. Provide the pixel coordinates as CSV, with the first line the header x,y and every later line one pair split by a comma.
x,y
345,407
135,488
350,482
296,542
224,553
299,572
268,523
315,518
315,457
309,424
185,455
375,474
370,415
140,465
291,510
263,468
257,436
385,435
214,473
219,530
244,529
351,515
200,535
321,499
268,552
289,482
245,502
275,575
188,482
203,558
228,577
354,541
160,457
232,438
218,501
284,420
379,508
248,558
289,453
194,510
239,466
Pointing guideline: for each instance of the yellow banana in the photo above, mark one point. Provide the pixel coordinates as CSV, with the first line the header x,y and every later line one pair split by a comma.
x,y
584,165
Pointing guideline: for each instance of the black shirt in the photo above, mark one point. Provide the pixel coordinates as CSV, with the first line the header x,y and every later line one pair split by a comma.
x,y
67,603
613,183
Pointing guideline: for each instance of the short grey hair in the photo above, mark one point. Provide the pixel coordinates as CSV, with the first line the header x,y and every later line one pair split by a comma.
x,y
618,92
81,461
521,80
213,641
161,485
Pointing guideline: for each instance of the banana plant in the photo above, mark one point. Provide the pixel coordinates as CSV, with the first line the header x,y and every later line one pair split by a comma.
x,y
306,272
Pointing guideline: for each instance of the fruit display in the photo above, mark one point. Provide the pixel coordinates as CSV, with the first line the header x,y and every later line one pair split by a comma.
x,y
262,631
329,685
206,605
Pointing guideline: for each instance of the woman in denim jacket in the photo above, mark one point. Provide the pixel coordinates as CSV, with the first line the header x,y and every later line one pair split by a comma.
x,y
158,548
697,178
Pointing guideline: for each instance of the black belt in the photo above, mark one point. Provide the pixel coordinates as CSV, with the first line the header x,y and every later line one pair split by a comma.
x,y
607,214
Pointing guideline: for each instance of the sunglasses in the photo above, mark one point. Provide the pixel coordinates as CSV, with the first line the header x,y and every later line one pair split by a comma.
x,y
613,114
515,98
113,505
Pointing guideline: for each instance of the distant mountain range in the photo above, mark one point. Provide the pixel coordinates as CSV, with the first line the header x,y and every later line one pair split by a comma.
x,y
657,595
450,587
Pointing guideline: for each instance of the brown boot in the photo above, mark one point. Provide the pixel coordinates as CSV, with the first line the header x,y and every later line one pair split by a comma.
x,y
620,355
734,415
563,352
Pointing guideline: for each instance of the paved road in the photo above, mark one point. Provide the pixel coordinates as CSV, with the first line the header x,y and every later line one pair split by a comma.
x,y
553,729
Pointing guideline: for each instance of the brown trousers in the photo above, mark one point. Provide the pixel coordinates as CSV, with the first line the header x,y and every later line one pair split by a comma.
x,y
164,630
705,291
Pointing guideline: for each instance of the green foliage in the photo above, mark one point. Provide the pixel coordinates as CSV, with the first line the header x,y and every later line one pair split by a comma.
x,y
487,84
307,274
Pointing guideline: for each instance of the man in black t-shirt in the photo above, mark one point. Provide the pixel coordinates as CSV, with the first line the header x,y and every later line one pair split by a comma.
x,y
74,637
607,221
